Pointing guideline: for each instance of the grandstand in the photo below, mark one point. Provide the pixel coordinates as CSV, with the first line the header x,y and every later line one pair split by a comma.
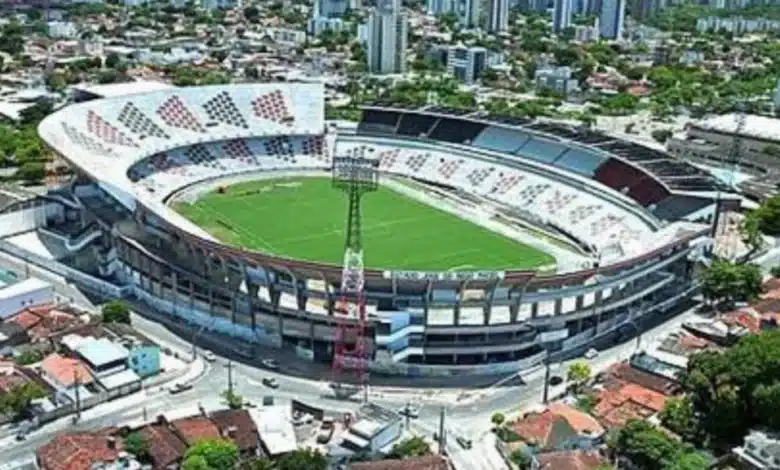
x,y
634,213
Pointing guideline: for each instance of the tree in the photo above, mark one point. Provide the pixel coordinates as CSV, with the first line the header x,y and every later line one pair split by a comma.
x,y
34,114
16,400
521,459
257,463
751,233
139,446
768,215
233,399
28,356
579,372
649,448
112,61
724,281
196,462
306,459
250,72
678,416
31,172
497,419
740,383
412,447
661,135
56,82
216,454
252,13
116,311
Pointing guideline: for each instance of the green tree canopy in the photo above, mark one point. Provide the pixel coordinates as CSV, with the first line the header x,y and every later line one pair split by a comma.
x,y
139,446
306,459
16,400
216,454
579,372
116,311
31,172
649,448
724,281
411,447
731,392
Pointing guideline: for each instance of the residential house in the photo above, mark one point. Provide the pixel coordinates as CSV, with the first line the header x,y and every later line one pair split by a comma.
x,y
65,372
761,451
428,462
166,449
623,373
79,451
569,460
548,431
195,428
108,362
616,406
144,360
238,426
12,334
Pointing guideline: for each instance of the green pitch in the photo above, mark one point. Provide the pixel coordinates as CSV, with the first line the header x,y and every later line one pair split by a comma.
x,y
304,218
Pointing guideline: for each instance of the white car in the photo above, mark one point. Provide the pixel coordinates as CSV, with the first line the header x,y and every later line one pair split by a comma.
x,y
591,353
209,356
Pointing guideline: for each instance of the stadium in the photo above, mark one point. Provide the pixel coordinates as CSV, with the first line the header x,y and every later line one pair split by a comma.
x,y
491,246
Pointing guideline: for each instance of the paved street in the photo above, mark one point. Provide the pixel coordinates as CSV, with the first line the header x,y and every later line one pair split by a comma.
x,y
468,409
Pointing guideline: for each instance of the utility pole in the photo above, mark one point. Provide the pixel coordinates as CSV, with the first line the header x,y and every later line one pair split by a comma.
x,y
546,395
230,377
77,382
442,431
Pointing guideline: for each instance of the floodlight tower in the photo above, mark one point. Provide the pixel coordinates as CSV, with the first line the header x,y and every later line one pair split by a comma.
x,y
356,176
732,161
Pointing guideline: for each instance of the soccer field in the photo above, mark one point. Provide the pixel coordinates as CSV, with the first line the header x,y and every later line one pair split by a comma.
x,y
304,218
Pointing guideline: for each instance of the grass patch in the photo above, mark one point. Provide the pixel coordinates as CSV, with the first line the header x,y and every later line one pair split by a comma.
x,y
305,218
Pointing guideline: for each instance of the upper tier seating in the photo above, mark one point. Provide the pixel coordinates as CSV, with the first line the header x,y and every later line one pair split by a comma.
x,y
545,199
545,151
375,121
617,174
456,131
501,139
580,161
166,171
416,125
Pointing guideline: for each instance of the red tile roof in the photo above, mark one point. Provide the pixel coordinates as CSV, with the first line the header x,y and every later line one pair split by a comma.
x,y
630,401
165,447
11,381
748,320
625,373
26,319
535,428
66,369
195,428
581,422
238,426
569,460
78,451
430,462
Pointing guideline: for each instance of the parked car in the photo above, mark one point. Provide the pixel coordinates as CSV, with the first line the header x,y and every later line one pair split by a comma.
x,y
179,387
591,353
556,380
463,442
209,356
325,431
410,410
270,382
271,364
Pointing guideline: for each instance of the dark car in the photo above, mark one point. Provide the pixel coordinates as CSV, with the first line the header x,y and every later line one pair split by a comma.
x,y
556,380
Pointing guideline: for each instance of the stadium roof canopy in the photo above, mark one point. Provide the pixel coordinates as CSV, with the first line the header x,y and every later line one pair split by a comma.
x,y
756,127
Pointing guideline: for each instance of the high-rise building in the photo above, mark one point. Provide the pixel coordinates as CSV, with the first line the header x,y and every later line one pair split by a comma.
x,y
330,8
387,35
466,11
467,63
613,14
561,15
498,15
219,4
641,9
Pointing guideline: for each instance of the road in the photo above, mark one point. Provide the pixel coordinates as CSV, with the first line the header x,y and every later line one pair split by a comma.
x,y
468,410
